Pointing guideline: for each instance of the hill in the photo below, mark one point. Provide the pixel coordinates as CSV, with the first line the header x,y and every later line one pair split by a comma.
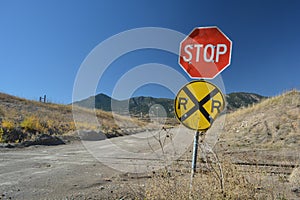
x,y
101,101
138,105
24,120
256,157
272,123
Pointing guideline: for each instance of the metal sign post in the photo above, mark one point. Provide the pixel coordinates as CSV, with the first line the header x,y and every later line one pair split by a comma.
x,y
194,160
195,153
197,105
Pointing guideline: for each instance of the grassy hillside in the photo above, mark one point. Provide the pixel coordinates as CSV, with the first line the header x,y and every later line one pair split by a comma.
x,y
22,120
275,122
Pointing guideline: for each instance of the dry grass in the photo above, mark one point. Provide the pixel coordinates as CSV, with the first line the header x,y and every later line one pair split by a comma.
x,y
234,181
266,136
273,123
238,184
295,177
290,98
29,118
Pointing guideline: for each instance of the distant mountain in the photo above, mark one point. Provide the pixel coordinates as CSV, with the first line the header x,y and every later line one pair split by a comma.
x,y
242,99
100,101
137,105
141,105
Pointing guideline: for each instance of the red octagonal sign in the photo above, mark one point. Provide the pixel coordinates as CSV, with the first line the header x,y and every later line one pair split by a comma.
x,y
205,52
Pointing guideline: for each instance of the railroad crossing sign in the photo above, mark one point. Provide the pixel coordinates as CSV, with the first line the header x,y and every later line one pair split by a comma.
x,y
198,104
205,52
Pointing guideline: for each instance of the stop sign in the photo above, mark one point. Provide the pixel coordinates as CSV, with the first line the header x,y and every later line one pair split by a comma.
x,y
205,52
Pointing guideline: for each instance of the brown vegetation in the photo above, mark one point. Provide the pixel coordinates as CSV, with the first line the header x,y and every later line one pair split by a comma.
x,y
258,152
273,123
22,120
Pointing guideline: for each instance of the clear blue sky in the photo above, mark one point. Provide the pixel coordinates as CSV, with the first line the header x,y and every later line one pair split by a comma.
x,y
43,43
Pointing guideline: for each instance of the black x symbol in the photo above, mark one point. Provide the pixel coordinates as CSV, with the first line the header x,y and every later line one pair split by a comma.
x,y
198,105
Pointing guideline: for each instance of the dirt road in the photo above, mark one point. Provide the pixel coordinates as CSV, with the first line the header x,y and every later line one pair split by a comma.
x,y
88,169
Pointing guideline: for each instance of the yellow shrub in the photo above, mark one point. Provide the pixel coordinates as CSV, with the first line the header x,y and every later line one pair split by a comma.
x,y
72,126
7,125
32,123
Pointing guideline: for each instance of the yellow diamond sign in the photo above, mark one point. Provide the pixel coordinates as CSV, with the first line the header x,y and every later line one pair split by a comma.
x,y
198,104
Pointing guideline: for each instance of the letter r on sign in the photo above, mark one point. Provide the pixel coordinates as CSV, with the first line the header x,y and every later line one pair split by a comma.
x,y
215,104
182,102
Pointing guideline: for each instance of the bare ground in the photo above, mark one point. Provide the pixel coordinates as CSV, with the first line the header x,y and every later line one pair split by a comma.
x,y
71,172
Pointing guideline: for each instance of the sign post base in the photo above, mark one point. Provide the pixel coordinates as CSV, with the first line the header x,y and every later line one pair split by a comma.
x,y
195,153
194,159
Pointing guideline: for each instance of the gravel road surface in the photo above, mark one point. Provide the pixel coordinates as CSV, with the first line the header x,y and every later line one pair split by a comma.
x,y
86,169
